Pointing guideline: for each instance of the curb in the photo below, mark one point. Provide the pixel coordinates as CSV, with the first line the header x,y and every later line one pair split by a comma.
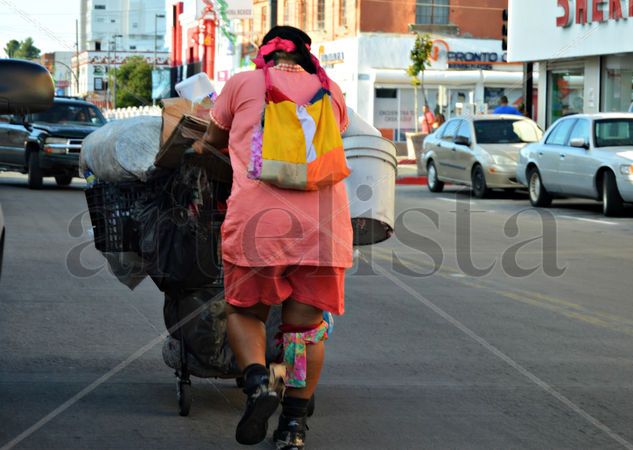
x,y
422,181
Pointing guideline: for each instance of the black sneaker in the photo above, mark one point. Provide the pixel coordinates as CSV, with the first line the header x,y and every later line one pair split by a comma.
x,y
263,399
290,433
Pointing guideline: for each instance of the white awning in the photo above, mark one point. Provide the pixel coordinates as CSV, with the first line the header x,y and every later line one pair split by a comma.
x,y
451,77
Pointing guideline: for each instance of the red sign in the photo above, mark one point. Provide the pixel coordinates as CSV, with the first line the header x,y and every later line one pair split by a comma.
x,y
598,11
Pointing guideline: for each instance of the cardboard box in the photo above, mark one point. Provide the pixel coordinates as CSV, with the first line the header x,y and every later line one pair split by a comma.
x,y
173,110
188,130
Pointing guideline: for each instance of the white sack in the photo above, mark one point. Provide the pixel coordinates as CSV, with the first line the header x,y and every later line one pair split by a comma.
x,y
122,150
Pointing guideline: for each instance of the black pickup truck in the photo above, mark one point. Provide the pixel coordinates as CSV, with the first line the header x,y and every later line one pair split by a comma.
x,y
47,144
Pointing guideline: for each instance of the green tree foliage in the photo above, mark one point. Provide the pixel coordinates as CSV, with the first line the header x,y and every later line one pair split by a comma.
x,y
419,56
25,50
134,83
11,48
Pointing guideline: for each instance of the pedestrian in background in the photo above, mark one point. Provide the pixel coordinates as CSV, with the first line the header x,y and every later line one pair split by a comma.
x,y
304,244
504,108
426,120
439,120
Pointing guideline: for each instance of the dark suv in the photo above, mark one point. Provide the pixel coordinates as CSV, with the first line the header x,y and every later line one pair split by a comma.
x,y
47,144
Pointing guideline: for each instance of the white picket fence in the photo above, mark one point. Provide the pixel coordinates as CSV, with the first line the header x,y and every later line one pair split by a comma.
x,y
126,113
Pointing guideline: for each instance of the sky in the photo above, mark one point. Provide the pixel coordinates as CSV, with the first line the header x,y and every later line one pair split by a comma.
x,y
51,23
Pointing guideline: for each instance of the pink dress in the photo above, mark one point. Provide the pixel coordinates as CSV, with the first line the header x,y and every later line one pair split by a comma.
x,y
266,226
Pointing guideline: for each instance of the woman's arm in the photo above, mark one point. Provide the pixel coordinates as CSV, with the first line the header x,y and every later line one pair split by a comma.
x,y
214,137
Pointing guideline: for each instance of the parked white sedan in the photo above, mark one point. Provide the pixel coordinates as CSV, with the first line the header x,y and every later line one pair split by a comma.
x,y
588,156
480,151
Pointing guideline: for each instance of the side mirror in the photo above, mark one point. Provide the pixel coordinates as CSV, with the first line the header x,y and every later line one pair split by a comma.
x,y
462,140
579,143
25,87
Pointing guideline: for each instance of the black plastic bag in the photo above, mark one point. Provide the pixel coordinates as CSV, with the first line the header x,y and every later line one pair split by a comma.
x,y
209,353
179,233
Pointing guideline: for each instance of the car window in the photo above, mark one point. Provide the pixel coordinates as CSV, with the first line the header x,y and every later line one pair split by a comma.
x,y
451,129
506,131
614,132
464,130
559,134
440,131
69,113
581,130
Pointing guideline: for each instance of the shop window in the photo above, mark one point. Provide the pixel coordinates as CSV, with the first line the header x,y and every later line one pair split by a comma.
x,y
432,12
617,84
394,110
565,93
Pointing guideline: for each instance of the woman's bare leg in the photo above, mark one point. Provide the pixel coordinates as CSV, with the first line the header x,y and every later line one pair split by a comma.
x,y
301,315
246,329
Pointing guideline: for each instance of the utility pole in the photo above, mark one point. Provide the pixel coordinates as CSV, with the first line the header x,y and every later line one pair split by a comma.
x,y
77,54
156,17
114,81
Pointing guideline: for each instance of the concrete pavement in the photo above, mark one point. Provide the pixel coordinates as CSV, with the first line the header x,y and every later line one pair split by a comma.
x,y
446,358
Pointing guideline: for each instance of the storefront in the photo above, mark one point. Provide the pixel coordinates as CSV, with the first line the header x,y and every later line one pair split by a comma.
x,y
584,53
467,76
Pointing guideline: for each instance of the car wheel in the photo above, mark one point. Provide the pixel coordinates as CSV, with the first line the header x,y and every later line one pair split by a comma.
x,y
612,203
539,197
479,187
35,177
63,180
435,185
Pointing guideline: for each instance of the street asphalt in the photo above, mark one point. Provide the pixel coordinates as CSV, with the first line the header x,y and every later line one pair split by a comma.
x,y
435,351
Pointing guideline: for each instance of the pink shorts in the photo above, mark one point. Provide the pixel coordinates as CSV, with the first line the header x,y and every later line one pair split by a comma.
x,y
321,287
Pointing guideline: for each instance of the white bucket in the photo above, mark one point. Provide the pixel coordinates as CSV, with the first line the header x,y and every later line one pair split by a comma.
x,y
195,87
371,187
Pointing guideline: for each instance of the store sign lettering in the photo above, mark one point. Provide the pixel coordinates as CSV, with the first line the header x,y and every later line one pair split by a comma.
x,y
486,57
583,12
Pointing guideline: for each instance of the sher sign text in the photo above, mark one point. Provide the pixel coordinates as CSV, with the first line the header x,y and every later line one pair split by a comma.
x,y
589,11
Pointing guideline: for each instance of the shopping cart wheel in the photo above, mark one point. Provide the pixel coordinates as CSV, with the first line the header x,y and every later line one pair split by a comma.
x,y
239,382
184,397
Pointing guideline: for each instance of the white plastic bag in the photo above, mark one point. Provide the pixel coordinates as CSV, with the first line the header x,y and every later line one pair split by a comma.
x,y
122,150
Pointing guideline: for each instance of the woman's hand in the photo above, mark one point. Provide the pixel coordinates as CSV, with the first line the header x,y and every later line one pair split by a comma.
x,y
201,147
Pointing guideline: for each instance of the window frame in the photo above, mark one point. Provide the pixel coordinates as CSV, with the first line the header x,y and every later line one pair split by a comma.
x,y
433,7
558,124
320,15
444,137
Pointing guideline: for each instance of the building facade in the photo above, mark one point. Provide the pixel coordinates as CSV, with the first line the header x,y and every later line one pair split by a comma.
x,y
585,58
111,31
59,64
365,45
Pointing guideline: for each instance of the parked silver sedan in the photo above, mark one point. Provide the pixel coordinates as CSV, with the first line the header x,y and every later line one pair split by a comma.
x,y
480,151
583,155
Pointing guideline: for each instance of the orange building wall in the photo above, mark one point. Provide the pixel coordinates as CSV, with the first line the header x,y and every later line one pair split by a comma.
x,y
478,18
387,17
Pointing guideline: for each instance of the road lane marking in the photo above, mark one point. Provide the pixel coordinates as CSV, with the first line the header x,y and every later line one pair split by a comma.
x,y
598,221
505,358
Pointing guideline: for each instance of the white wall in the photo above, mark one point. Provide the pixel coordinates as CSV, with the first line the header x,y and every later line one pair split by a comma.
x,y
534,36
